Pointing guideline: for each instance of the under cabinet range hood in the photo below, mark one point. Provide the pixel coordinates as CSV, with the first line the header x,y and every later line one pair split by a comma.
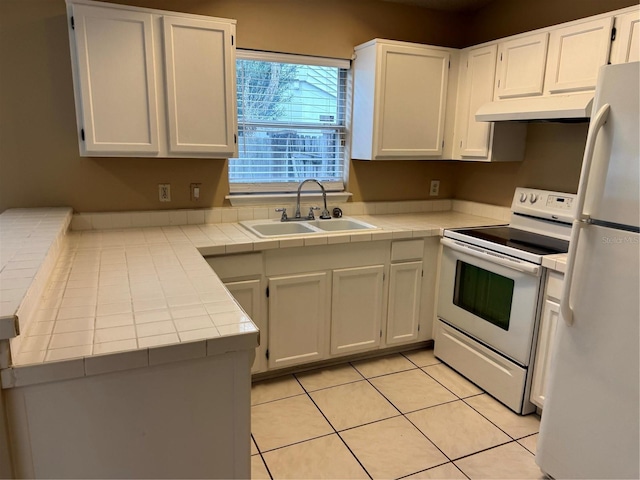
x,y
574,107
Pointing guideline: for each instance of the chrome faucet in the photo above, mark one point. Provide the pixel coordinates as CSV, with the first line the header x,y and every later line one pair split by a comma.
x,y
325,213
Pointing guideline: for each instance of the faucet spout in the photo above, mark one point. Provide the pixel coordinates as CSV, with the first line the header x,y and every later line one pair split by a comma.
x,y
325,213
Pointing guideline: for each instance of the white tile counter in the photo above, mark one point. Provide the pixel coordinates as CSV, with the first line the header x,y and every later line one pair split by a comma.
x,y
122,299
557,262
30,240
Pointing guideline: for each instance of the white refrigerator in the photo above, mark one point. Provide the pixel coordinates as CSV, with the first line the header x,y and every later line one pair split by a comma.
x,y
590,424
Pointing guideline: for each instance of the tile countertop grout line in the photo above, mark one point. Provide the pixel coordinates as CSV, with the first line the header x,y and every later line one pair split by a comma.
x,y
78,367
48,246
236,239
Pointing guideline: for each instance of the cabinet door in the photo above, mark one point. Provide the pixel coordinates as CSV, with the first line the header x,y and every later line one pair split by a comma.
x,y
576,53
521,66
250,296
356,309
117,94
405,282
626,46
298,321
546,335
411,93
478,76
200,73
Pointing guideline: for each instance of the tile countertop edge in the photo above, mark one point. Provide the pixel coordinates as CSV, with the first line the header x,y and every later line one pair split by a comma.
x,y
10,324
557,262
73,368
393,226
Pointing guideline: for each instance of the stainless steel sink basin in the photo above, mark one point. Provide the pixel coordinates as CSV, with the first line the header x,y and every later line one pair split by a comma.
x,y
276,228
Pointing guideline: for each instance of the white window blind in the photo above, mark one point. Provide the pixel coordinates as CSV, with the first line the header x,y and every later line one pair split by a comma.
x,y
291,122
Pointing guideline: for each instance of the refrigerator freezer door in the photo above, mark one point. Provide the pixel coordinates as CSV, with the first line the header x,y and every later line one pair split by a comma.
x,y
590,423
613,192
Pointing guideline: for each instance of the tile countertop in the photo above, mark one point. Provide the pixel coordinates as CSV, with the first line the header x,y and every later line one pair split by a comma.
x,y
30,241
122,299
556,262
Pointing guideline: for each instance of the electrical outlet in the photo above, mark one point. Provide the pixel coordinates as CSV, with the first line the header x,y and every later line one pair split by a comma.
x,y
435,188
164,192
195,192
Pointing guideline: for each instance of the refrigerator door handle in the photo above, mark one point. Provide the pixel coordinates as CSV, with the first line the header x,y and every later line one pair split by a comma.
x,y
594,128
596,124
565,303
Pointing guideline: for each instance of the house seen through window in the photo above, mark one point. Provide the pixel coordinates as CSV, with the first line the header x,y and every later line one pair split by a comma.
x,y
291,122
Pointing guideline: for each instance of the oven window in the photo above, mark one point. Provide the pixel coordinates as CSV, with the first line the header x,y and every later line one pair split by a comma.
x,y
483,293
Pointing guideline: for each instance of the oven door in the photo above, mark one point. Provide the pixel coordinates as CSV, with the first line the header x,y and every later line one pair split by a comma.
x,y
489,296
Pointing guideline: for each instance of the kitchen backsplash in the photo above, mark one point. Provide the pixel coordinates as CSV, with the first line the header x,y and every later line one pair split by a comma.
x,y
119,220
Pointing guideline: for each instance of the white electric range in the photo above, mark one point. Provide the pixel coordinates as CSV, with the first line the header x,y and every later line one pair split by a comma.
x,y
490,292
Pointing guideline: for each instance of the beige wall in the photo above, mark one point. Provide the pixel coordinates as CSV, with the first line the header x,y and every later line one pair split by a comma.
x,y
39,161
553,158
502,18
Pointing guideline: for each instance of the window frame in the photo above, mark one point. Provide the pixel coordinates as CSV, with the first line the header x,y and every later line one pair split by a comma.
x,y
237,189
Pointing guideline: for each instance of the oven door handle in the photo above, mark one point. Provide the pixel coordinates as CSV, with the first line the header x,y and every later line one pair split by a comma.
x,y
502,260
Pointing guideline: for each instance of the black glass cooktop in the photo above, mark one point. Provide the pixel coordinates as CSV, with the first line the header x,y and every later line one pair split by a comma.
x,y
519,239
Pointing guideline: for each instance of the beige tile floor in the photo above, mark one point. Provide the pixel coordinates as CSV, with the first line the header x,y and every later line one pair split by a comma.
x,y
400,416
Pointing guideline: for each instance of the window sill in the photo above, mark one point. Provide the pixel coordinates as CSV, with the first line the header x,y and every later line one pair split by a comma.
x,y
286,198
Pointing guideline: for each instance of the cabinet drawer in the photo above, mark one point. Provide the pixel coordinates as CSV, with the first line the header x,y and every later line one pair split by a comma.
x,y
554,285
409,250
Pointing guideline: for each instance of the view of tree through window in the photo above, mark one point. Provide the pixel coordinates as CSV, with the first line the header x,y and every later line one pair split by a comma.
x,y
290,126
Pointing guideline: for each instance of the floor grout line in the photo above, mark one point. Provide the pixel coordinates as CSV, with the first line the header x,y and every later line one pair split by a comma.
x,y
337,432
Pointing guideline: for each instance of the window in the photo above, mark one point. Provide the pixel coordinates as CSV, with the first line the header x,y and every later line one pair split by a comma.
x,y
291,122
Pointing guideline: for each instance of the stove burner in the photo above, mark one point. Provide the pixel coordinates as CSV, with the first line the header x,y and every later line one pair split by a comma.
x,y
518,239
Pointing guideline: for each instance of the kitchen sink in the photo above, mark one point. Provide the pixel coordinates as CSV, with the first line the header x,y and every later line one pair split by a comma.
x,y
276,228
341,224
280,228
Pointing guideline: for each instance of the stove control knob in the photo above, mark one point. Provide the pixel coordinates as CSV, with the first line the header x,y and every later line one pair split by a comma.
x,y
533,198
523,197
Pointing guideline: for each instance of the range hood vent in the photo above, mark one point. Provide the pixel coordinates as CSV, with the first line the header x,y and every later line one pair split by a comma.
x,y
574,107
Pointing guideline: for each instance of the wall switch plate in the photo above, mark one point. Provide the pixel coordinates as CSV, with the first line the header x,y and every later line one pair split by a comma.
x,y
435,188
195,191
164,192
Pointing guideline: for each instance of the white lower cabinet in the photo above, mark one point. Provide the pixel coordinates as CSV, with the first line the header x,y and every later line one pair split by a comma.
x,y
546,335
243,275
356,309
298,313
250,295
319,302
403,316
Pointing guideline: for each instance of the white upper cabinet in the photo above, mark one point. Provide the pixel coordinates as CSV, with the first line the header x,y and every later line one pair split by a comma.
x,y
400,98
576,54
117,81
521,66
477,74
483,141
152,83
200,89
626,45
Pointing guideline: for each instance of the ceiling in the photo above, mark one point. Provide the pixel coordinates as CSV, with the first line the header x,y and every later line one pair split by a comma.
x,y
447,5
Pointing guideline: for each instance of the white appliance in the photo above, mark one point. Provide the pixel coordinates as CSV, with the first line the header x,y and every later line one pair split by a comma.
x,y
590,423
489,294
